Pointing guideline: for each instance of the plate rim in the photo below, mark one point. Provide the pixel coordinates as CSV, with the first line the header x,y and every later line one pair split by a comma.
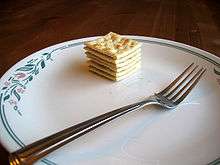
x,y
154,40
214,59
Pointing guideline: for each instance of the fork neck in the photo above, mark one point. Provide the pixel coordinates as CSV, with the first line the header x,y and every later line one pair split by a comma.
x,y
149,100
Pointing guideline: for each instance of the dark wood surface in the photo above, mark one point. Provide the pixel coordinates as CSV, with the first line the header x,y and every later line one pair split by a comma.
x,y
27,26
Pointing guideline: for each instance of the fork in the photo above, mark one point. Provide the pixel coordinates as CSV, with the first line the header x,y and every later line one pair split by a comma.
x,y
169,98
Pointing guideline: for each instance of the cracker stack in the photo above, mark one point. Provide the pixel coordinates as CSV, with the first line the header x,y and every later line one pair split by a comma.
x,y
113,56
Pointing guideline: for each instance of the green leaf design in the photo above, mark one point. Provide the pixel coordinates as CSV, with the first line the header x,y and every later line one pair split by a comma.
x,y
30,78
22,76
36,72
6,97
48,56
16,95
42,64
14,81
24,68
4,88
45,54
30,61
30,65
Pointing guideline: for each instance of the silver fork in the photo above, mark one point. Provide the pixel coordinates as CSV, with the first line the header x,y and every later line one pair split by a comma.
x,y
168,98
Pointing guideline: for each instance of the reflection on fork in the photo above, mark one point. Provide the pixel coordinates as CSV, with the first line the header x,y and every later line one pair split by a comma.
x,y
169,98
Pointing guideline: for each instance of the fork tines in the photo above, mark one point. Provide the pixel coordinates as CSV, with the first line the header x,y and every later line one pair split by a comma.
x,y
183,84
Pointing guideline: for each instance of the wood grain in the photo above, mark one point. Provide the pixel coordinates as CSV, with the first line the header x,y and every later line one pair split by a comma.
x,y
28,26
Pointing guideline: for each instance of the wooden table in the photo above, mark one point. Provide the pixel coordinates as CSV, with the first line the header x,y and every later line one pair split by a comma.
x,y
28,26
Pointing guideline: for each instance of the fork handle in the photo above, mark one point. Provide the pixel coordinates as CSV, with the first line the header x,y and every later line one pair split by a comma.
x,y
37,150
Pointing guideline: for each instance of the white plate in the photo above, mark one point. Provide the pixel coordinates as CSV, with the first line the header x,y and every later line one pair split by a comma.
x,y
52,89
